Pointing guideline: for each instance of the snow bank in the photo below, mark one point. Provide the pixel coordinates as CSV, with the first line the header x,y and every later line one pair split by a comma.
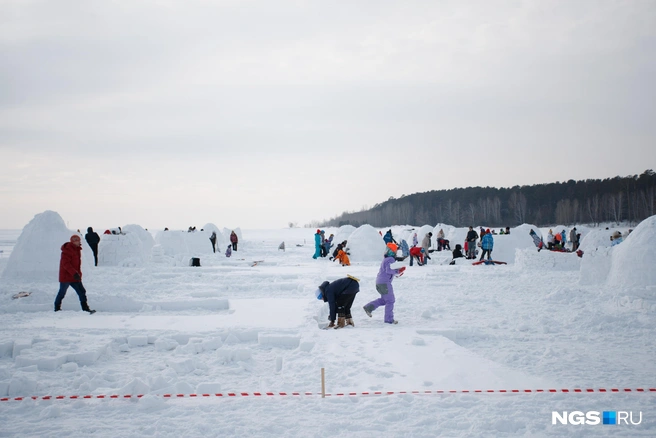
x,y
506,246
633,259
37,252
531,259
595,265
194,244
366,245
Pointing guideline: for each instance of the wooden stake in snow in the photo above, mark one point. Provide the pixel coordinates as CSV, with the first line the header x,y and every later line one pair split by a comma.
x,y
323,383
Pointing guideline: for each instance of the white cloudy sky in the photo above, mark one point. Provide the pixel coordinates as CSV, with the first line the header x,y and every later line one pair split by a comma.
x,y
258,113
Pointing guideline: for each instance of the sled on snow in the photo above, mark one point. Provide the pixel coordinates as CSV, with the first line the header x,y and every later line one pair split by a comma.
x,y
21,295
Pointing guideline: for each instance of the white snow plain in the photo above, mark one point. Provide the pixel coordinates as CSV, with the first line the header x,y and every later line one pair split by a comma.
x,y
546,320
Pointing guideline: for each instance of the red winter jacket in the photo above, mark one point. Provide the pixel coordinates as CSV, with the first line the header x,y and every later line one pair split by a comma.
x,y
416,251
69,265
233,237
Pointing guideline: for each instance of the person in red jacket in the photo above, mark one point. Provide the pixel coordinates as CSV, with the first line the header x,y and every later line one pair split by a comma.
x,y
70,273
417,252
234,240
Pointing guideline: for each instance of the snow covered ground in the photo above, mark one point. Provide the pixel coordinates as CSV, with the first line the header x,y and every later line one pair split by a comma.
x,y
546,320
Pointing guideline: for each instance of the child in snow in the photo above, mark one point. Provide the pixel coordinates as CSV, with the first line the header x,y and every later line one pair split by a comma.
x,y
228,252
339,295
343,258
384,288
457,253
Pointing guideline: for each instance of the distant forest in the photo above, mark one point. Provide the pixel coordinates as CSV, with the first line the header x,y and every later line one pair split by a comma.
x,y
621,199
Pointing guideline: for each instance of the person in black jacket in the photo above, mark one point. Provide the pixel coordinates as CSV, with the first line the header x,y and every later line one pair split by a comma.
x,y
340,295
471,243
213,240
93,239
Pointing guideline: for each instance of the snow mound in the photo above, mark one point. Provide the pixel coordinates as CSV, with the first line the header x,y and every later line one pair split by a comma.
x,y
146,238
221,240
194,244
633,259
343,233
506,246
449,231
421,233
366,245
121,250
595,239
37,252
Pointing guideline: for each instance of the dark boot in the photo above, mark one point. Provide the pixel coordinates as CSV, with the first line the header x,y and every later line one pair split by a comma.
x,y
85,307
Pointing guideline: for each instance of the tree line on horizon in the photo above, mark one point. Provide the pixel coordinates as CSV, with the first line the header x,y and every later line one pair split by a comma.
x,y
620,199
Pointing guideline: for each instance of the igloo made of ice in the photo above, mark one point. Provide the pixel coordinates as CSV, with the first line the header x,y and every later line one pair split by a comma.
x,y
632,261
366,245
37,252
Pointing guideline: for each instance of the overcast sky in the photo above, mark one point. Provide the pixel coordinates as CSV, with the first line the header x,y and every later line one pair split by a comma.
x,y
254,114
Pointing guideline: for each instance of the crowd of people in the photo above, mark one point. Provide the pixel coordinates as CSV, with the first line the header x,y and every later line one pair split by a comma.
x,y
340,293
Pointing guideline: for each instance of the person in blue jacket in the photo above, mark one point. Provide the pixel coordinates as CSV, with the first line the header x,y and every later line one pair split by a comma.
x,y
340,295
388,237
487,243
317,245
326,245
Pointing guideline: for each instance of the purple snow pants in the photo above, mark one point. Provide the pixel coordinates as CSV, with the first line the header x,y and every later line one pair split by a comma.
x,y
386,299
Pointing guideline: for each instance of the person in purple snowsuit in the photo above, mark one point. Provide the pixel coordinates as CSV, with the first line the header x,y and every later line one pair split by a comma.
x,y
384,288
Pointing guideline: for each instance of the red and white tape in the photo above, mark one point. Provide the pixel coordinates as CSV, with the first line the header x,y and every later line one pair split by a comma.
x,y
340,394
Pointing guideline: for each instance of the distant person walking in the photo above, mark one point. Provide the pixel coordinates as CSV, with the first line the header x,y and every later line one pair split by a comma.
x,y
234,240
213,240
70,273
93,239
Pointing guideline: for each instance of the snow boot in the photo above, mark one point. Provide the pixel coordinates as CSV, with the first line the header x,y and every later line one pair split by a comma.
x,y
367,311
332,324
85,307
349,321
341,322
